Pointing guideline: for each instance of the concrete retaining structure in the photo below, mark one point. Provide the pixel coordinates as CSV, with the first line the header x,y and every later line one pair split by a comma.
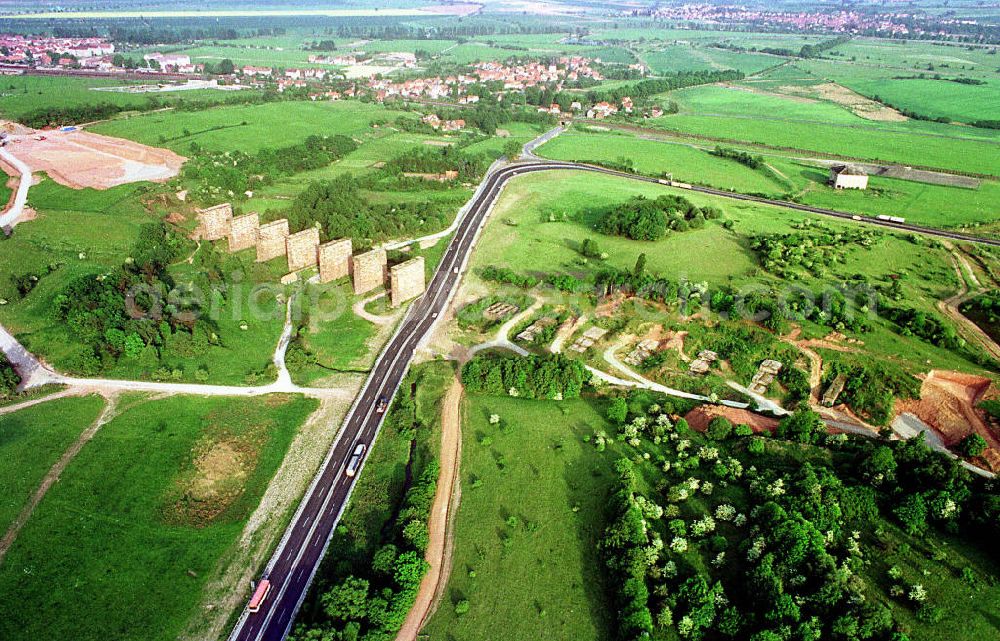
x,y
335,260
271,240
370,271
243,232
407,281
301,248
215,221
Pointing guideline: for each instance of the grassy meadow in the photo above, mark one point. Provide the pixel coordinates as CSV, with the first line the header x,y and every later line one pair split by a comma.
x,y
121,547
32,440
533,499
248,128
689,160
541,221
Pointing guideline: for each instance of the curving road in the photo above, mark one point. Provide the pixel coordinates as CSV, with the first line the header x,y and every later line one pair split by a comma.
x,y
10,217
298,555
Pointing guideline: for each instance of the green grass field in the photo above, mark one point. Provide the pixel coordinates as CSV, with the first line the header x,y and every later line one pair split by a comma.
x,y
335,334
247,128
32,440
862,143
537,472
540,223
20,95
656,158
689,161
120,547
929,96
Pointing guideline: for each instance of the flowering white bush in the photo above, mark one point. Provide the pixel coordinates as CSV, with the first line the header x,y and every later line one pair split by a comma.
x,y
776,487
725,512
708,453
677,493
755,550
683,444
719,559
947,509
663,420
679,545
672,511
494,419
649,509
707,487
513,392
703,526
693,483
685,626
740,520
917,593
670,569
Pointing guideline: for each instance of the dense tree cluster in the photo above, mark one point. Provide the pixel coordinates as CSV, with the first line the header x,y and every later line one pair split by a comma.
x,y
642,219
738,537
871,385
507,276
229,174
133,311
742,157
669,82
438,160
812,51
342,210
552,376
912,322
80,113
985,311
842,308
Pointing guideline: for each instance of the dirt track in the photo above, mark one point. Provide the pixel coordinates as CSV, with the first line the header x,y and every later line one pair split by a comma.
x,y
440,523
55,471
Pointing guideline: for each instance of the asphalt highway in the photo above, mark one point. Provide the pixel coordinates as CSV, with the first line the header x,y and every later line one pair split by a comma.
x,y
298,555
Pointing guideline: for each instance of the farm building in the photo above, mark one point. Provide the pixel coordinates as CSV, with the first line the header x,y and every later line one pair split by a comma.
x,y
848,177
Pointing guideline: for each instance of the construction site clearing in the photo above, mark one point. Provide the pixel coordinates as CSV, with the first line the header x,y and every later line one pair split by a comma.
x,y
79,159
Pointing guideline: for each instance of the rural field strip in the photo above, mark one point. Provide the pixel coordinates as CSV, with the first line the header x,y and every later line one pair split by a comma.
x,y
810,155
110,407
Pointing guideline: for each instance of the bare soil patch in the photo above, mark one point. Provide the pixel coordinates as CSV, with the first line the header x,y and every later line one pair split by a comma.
x,y
785,93
701,416
855,102
948,404
80,159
